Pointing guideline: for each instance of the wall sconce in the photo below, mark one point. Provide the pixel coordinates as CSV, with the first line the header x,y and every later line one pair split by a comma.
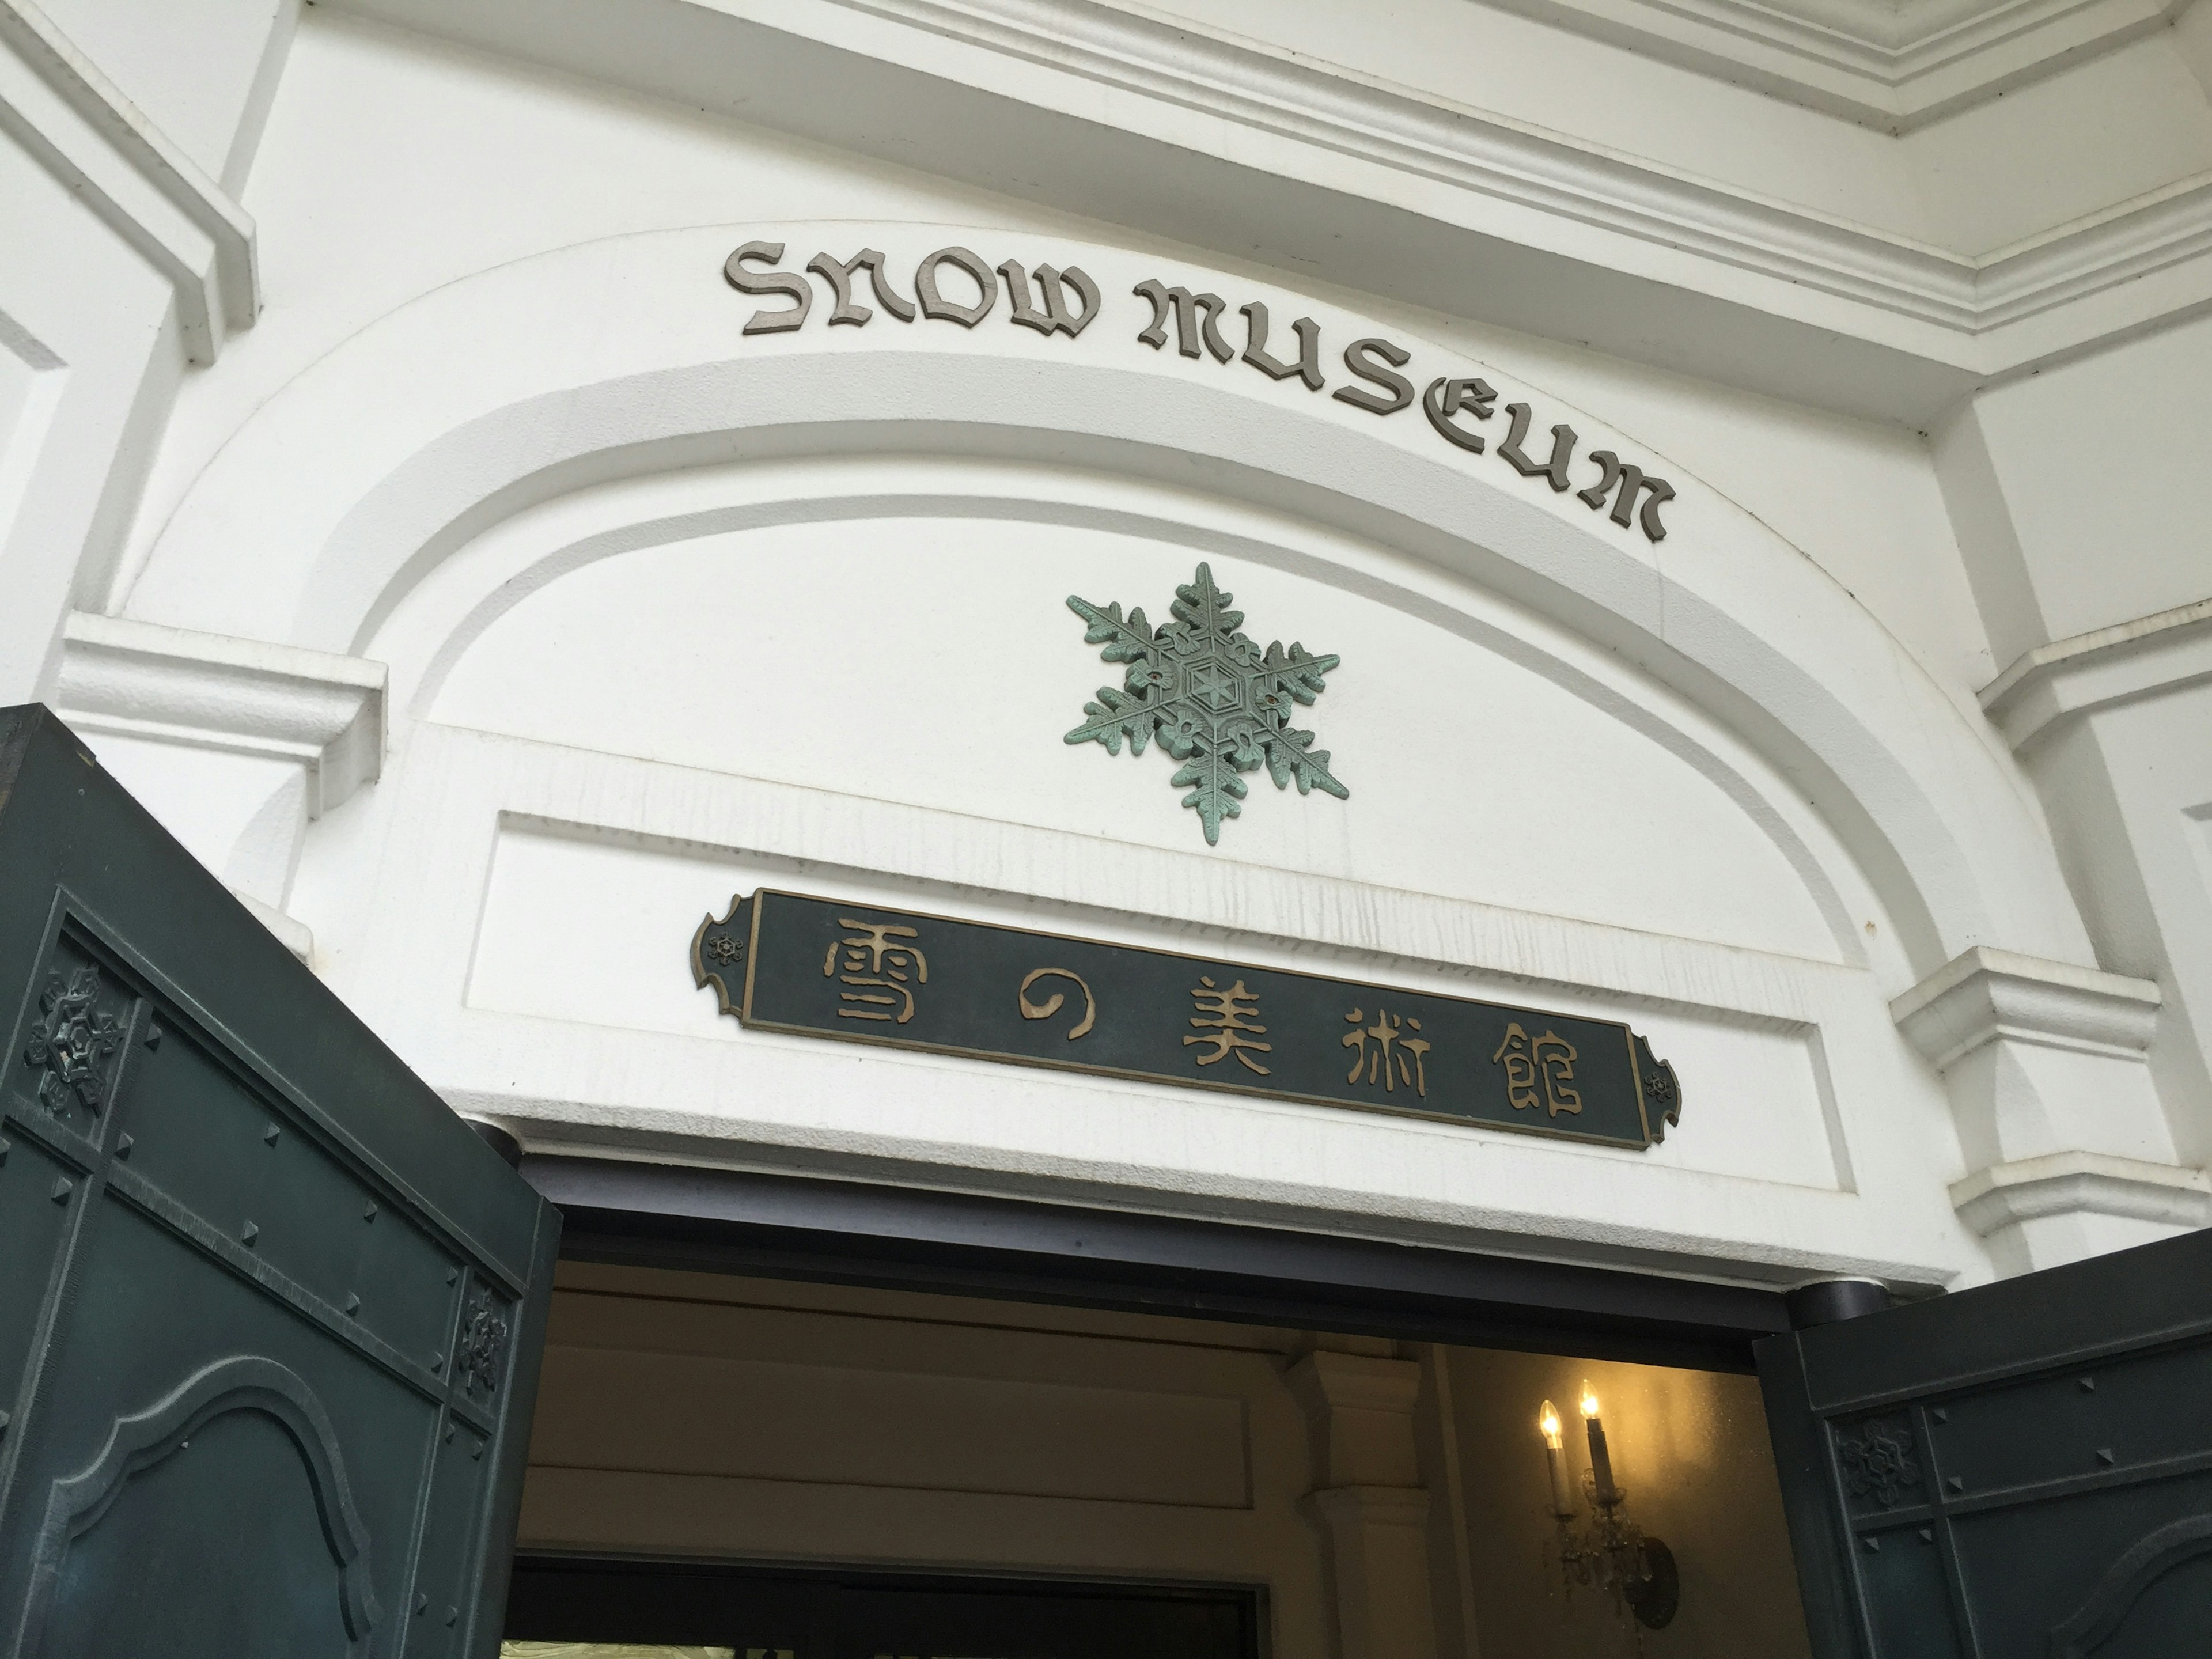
x,y
1613,1553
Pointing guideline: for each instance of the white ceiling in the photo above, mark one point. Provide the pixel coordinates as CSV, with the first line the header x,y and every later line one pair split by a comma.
x,y
1892,66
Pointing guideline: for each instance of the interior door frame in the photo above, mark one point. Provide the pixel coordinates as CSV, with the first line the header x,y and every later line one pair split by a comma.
x,y
599,1596
785,1226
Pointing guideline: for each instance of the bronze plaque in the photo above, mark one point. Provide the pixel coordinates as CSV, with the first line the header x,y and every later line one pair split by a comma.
x,y
784,961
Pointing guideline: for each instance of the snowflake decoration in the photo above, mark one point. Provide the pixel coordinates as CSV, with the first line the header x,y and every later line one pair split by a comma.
x,y
1218,703
71,1041
1880,1464
482,1341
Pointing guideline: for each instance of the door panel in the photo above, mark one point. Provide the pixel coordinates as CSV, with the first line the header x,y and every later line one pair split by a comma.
x,y
2153,1606
269,1331
240,1462
2023,1469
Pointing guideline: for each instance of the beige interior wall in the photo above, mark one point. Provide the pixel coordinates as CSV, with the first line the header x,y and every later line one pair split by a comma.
x,y
1690,1446
701,1414
1389,1496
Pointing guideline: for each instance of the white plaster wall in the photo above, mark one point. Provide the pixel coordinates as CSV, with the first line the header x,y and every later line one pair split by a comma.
x,y
719,656
2058,150
2083,512
918,659
85,334
99,235
576,925
21,361
1859,499
2192,40
395,164
202,71
1716,903
918,473
2135,832
236,813
313,525
31,381
933,662
545,883
536,971
484,161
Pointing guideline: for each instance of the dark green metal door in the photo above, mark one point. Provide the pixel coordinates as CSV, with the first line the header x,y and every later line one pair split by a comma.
x,y
2021,1471
269,1313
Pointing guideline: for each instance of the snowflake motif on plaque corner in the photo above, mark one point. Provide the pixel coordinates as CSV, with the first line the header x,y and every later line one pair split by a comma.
x,y
483,1341
71,1042
1879,1463
1661,1088
1217,702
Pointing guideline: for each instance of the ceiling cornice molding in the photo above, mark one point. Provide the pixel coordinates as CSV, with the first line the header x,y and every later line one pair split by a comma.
x,y
1335,108
101,147
1555,236
1262,87
1818,54
2077,261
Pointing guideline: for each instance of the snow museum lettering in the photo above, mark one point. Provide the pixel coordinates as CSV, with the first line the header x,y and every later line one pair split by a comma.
x,y
1067,301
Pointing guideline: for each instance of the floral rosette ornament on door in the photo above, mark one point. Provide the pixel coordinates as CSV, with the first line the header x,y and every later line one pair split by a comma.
x,y
1218,703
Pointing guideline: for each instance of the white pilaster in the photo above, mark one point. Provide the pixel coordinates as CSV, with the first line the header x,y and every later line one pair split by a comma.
x,y
235,744
1368,1500
2062,1125
2115,727
2089,672
129,172
2069,1204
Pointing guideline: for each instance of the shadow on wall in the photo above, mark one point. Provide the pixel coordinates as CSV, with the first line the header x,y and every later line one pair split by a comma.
x,y
1692,1450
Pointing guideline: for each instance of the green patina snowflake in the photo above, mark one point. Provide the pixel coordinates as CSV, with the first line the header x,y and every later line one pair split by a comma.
x,y
1220,704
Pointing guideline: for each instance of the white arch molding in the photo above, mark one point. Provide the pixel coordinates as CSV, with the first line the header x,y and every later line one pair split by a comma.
x,y
624,358
465,453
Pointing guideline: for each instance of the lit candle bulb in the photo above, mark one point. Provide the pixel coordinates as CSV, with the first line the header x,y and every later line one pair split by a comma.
x,y
1601,1459
1563,1491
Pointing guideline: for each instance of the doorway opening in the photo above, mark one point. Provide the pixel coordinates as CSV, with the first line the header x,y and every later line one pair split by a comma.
x,y
724,1463
612,1609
